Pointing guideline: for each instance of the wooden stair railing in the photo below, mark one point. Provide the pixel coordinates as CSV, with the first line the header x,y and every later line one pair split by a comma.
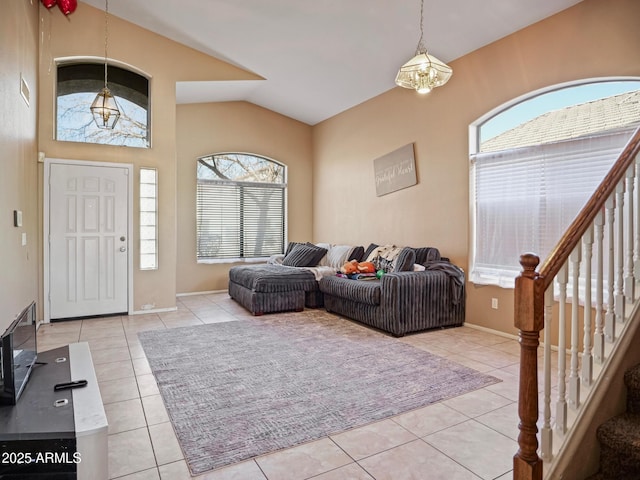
x,y
534,291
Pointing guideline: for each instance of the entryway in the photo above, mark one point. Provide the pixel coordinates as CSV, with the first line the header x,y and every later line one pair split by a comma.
x,y
87,229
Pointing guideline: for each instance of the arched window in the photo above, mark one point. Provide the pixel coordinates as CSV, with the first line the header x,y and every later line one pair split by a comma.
x,y
534,164
77,86
240,207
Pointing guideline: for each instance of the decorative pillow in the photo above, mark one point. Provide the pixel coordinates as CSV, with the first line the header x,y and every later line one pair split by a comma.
x,y
290,245
338,255
324,262
425,255
357,254
418,268
405,260
370,248
303,255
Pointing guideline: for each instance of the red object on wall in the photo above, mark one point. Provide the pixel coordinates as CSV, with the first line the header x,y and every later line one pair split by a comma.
x,y
67,6
48,3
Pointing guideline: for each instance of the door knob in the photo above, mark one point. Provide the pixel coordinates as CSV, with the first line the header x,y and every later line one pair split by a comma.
x,y
123,249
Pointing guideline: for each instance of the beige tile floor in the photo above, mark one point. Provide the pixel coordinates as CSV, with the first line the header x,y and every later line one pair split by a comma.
x,y
472,436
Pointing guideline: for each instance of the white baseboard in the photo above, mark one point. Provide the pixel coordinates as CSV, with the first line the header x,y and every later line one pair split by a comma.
x,y
154,310
209,292
491,330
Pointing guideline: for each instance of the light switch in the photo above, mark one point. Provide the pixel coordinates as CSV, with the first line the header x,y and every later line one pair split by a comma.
x,y
17,218
24,239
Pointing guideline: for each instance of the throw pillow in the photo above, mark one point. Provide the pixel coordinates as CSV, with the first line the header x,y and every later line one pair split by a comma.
x,y
357,254
304,256
338,255
367,252
405,260
290,246
425,255
324,262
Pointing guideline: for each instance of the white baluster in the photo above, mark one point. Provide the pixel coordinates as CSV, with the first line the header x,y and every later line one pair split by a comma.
x,y
619,300
610,317
629,281
636,250
598,337
574,378
561,404
587,359
546,433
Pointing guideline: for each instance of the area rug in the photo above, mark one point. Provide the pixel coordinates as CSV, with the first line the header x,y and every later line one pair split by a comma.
x,y
240,389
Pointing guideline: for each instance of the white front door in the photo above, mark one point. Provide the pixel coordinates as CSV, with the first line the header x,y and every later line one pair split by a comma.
x,y
88,240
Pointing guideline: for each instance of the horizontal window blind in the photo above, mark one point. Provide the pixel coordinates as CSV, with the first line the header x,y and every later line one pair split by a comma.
x,y
239,220
526,198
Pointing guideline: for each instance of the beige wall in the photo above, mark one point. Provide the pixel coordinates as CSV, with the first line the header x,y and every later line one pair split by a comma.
x,y
237,127
18,158
165,62
595,38
330,165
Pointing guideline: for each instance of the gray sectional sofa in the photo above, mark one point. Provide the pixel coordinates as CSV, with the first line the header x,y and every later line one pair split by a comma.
x,y
402,301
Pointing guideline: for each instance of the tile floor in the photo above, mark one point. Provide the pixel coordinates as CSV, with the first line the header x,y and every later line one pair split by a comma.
x,y
472,436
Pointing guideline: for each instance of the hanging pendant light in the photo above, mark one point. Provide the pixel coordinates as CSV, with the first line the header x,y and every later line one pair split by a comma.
x,y
104,108
423,72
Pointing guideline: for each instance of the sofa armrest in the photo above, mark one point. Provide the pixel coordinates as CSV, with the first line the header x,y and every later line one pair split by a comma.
x,y
421,300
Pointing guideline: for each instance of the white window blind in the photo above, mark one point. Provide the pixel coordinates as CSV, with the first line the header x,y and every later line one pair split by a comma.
x,y
239,220
526,198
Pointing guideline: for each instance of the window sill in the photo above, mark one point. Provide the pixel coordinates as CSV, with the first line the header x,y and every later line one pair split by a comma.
x,y
233,260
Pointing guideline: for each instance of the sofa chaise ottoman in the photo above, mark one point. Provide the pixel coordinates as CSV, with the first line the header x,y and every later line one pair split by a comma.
x,y
289,281
272,288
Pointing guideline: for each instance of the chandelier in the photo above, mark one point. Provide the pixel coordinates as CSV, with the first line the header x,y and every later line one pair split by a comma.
x,y
423,72
104,108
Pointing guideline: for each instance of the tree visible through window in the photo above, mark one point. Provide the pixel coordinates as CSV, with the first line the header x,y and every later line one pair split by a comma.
x,y
240,206
77,87
535,166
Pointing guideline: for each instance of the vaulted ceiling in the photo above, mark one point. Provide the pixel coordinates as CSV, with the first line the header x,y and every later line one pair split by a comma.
x,y
321,57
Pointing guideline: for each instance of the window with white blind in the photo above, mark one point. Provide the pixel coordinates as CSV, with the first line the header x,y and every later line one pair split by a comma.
x,y
525,198
241,200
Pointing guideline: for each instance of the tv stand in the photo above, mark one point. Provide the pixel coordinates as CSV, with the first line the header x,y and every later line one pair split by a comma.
x,y
56,434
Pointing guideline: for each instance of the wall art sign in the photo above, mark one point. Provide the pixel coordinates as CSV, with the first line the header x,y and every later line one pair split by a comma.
x,y
395,171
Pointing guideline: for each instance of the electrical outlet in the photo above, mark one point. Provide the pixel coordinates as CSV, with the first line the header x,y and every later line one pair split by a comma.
x,y
494,303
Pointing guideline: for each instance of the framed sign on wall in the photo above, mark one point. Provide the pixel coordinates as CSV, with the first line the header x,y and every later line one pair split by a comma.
x,y
395,171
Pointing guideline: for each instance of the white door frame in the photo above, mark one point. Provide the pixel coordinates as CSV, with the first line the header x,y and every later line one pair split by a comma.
x,y
45,240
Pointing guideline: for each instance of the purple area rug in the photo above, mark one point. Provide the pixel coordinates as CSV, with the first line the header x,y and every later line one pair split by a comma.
x,y
237,390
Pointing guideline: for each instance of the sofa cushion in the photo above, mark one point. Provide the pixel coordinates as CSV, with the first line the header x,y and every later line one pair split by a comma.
x,y
360,291
273,278
304,255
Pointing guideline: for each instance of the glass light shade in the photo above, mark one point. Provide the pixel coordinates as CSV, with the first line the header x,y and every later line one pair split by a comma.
x,y
105,109
423,73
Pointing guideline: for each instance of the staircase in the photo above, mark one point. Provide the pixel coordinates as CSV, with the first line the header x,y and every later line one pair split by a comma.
x,y
584,299
619,436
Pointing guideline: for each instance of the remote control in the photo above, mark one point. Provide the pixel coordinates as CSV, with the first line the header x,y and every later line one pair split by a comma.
x,y
76,384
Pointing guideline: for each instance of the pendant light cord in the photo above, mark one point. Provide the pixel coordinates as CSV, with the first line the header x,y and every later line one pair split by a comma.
x,y
106,39
421,48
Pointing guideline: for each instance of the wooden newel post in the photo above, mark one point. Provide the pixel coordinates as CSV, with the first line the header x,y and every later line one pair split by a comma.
x,y
529,319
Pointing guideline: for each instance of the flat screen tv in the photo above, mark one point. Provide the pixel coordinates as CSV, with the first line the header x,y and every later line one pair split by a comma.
x,y
18,355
